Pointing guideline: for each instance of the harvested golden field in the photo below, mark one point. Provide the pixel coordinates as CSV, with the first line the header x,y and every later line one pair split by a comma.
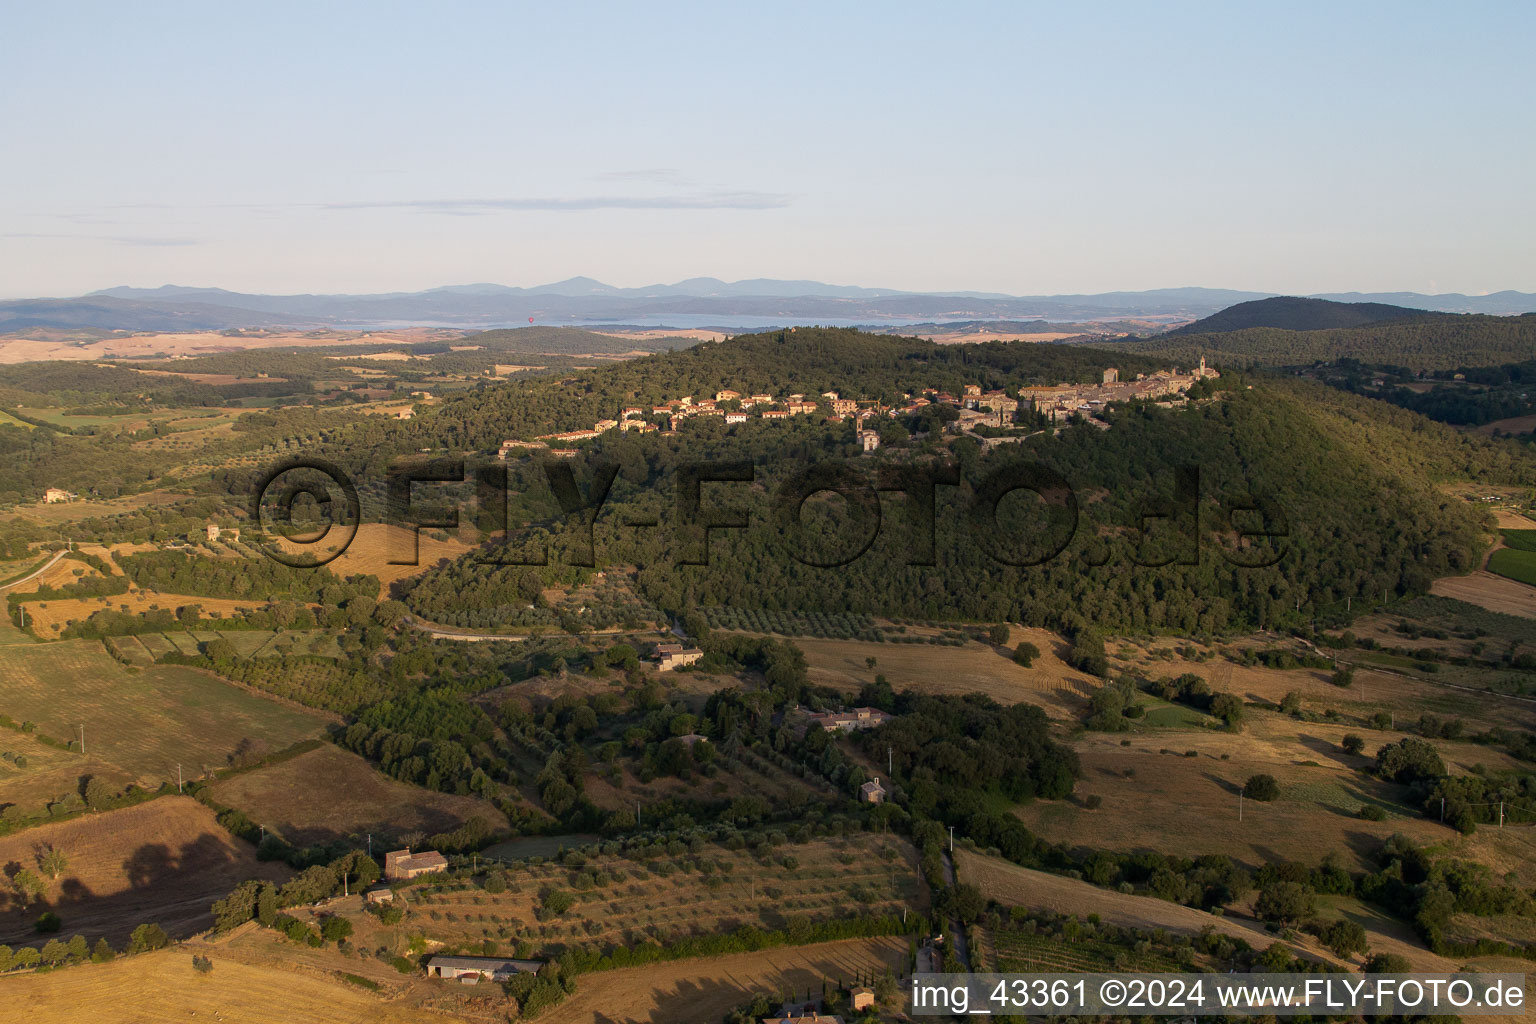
x,y
1396,693
687,893
162,987
972,668
1484,589
376,543
32,773
328,793
143,721
1157,798
703,991
164,861
1017,886
40,345
60,574
51,618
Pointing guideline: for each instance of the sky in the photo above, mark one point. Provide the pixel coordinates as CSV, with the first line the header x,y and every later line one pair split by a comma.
x,y
1018,148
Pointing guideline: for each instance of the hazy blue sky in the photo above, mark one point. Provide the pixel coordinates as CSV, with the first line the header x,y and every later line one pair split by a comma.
x,y
1017,148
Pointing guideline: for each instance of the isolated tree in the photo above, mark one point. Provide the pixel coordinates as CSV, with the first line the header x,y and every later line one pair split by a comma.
x,y
1409,760
1284,903
869,662
1387,963
53,862
1344,938
98,795
1026,653
147,937
1352,743
1343,676
1290,704
1228,708
999,634
1261,787
335,929
28,886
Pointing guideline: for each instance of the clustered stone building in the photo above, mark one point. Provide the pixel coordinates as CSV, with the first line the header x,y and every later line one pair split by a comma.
x,y
995,407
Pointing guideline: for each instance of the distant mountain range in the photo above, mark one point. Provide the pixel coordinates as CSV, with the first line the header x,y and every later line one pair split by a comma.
x,y
697,302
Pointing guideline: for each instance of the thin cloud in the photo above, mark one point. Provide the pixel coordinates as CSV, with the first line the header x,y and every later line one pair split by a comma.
x,y
741,200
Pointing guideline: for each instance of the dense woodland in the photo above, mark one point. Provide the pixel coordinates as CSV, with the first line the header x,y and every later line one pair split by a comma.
x,y
1431,342
1351,482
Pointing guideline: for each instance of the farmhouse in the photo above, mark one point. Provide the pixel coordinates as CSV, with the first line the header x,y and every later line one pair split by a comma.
x,y
861,998
872,792
692,739
848,721
54,495
400,865
671,656
473,968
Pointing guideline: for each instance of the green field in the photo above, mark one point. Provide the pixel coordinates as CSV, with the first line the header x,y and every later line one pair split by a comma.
x,y
1521,540
1021,952
146,648
7,420
1515,564
143,721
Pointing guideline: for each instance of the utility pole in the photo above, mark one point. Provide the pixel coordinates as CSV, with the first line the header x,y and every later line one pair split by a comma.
x,y
1501,814
178,778
951,839
82,738
370,845
890,761
1239,805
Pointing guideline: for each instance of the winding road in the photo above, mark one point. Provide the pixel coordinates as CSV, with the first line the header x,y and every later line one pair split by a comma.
x,y
35,573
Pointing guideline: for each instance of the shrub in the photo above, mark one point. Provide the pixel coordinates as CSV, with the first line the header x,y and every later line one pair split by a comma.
x,y
201,964
1370,812
1261,787
1352,743
48,922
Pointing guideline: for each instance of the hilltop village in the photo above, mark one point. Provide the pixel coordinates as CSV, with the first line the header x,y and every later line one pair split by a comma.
x,y
997,408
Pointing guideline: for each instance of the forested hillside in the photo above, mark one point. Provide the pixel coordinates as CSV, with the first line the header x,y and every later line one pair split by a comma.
x,y
1427,343
1290,313
1350,482
808,360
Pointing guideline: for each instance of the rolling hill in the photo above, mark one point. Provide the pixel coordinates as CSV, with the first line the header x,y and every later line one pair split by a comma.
x,y
1291,313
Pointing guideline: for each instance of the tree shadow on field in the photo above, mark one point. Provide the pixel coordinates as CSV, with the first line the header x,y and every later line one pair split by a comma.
x,y
172,887
1225,785
1330,750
